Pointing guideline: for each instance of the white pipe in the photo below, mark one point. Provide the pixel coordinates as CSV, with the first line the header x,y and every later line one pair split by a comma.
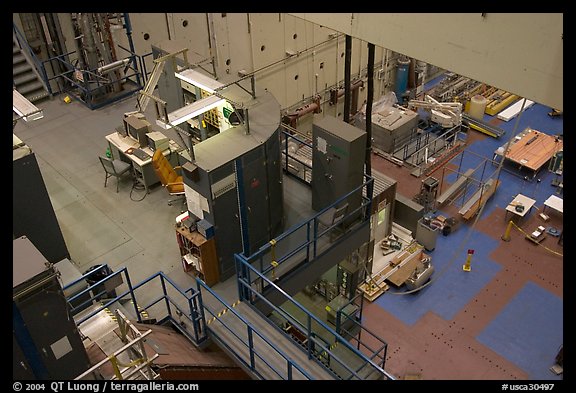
x,y
112,66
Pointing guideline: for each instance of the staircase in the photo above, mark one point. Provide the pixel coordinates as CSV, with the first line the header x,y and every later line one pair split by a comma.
x,y
25,78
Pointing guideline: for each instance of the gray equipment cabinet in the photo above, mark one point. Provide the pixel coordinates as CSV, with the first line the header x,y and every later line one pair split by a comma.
x,y
32,212
46,341
337,162
235,183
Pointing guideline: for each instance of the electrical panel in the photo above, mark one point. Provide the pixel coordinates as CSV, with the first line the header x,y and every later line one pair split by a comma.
x,y
348,277
337,162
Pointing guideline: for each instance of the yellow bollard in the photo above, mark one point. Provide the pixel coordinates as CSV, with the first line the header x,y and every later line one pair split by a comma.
x,y
506,236
466,267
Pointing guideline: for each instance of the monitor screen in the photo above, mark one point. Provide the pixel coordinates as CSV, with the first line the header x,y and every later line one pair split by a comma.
x,y
136,129
157,140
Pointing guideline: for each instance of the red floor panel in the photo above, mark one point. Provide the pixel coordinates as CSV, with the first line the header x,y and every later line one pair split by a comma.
x,y
437,349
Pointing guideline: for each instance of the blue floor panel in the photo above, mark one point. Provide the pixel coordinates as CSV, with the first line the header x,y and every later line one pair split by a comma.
x,y
454,288
528,330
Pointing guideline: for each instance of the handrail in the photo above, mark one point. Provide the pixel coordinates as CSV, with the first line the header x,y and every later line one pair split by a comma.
x,y
337,337
312,225
86,90
310,336
29,54
250,328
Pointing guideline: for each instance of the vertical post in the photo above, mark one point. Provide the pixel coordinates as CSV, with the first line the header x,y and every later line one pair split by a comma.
x,y
251,346
347,66
466,267
131,289
506,236
369,100
242,209
309,328
165,296
128,27
286,148
308,241
253,86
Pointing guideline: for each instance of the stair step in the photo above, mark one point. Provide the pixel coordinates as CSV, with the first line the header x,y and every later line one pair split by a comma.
x,y
19,69
30,87
37,97
15,49
18,58
24,78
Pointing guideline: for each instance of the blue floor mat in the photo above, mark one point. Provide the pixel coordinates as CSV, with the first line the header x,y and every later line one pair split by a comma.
x,y
454,288
529,331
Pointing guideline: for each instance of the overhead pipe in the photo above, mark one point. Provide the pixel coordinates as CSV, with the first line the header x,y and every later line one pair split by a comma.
x,y
291,118
335,94
347,63
369,101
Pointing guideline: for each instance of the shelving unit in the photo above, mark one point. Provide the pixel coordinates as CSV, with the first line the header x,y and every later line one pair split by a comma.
x,y
198,255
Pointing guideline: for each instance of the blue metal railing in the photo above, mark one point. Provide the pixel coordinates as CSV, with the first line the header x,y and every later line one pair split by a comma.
x,y
357,330
247,341
309,238
88,86
184,309
255,277
29,54
169,305
293,165
344,360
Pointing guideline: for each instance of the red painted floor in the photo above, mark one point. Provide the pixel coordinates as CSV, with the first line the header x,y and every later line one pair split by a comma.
x,y
434,348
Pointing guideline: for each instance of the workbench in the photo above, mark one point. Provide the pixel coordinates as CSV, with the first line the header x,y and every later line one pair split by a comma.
x,y
532,149
554,203
522,200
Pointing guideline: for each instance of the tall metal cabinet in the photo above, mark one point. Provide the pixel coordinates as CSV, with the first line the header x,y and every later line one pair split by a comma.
x,y
338,162
46,341
32,212
235,184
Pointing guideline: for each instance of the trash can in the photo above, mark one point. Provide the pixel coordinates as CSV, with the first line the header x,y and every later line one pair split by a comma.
x,y
105,290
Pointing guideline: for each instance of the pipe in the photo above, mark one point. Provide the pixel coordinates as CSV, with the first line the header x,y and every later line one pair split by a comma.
x,y
314,107
113,66
347,64
369,101
335,94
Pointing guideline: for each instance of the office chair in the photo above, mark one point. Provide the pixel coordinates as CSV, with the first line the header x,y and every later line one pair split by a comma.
x,y
168,176
116,168
331,217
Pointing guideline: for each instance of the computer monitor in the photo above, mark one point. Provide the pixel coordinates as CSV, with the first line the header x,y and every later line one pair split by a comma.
x,y
137,129
157,140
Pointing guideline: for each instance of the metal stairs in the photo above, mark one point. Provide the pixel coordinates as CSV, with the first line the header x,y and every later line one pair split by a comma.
x,y
25,78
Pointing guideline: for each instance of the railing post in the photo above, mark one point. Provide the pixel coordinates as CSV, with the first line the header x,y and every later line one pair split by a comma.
x,y
165,295
131,289
308,241
289,369
251,347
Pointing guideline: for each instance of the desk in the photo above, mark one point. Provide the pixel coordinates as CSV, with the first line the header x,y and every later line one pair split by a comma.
x,y
531,149
554,203
519,200
142,168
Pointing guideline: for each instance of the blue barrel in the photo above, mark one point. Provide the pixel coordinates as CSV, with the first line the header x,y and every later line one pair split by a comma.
x,y
401,78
